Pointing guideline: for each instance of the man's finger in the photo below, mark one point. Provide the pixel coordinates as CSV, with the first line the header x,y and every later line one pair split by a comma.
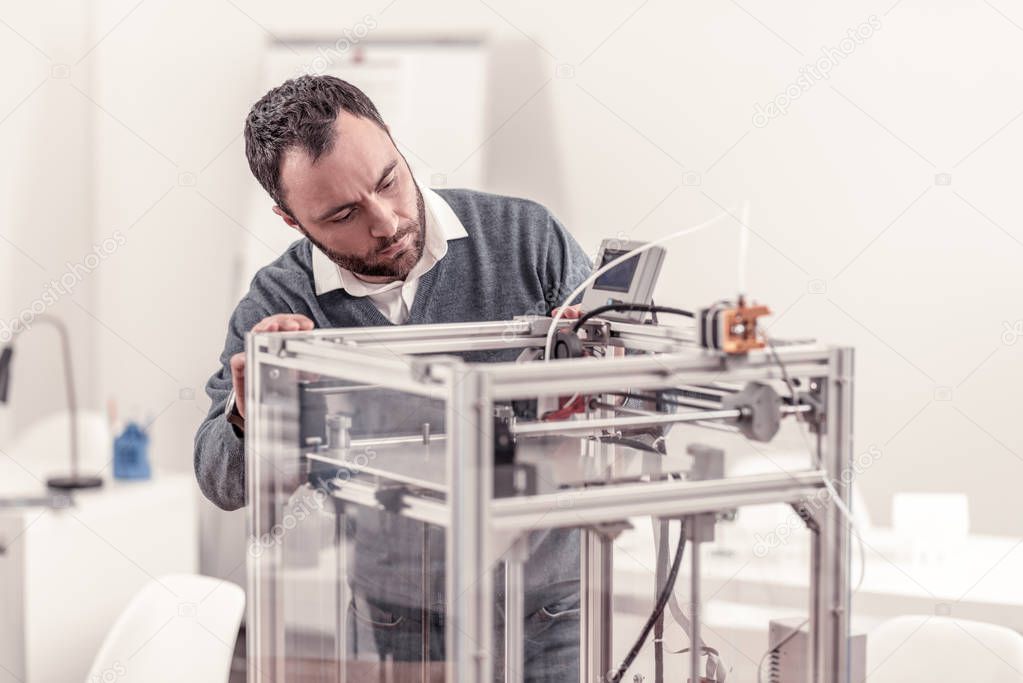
x,y
238,381
284,322
569,312
301,322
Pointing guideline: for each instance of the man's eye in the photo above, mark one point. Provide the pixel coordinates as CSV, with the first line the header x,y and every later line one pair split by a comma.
x,y
343,219
387,185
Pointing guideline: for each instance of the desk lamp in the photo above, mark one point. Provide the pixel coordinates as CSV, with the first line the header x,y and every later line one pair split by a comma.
x,y
74,480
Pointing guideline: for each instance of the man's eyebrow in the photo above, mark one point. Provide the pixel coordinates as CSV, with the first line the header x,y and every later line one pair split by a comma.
x,y
338,209
387,172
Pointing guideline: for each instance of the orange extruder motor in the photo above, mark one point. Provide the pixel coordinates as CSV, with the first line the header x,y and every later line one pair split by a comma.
x,y
731,328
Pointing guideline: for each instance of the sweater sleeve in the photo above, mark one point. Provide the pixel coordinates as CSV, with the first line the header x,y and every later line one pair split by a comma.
x,y
565,265
219,456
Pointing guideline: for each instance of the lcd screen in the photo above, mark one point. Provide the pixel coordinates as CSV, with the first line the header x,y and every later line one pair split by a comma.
x,y
619,278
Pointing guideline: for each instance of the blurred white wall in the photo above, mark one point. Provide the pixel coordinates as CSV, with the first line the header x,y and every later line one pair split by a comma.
x,y
46,203
632,118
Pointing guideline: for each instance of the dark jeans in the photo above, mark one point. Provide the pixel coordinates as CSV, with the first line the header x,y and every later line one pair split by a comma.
x,y
395,634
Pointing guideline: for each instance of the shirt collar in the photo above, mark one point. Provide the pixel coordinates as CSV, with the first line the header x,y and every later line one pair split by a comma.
x,y
442,226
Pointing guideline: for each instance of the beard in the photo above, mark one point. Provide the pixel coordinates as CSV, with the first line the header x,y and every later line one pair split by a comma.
x,y
397,266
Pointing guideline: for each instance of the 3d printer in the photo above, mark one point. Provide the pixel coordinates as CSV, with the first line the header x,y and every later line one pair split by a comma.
x,y
395,477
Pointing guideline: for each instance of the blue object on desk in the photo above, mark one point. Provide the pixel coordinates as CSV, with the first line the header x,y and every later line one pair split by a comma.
x,y
131,453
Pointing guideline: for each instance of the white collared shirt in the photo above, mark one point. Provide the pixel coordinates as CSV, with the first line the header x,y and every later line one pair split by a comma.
x,y
394,299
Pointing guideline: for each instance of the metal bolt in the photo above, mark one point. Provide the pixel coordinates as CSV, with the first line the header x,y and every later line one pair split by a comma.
x,y
338,431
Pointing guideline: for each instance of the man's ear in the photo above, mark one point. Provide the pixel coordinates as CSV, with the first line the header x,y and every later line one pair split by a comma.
x,y
286,217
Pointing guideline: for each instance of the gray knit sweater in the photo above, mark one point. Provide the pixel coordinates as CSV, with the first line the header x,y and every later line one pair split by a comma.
x,y
517,259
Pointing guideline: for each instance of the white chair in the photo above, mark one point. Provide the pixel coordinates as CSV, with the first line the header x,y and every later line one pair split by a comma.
x,y
924,649
178,628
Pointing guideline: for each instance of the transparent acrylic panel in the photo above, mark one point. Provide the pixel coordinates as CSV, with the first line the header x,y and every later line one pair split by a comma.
x,y
755,561
350,589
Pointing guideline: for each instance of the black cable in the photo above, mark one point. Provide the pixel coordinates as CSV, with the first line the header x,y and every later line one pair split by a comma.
x,y
648,308
662,600
784,371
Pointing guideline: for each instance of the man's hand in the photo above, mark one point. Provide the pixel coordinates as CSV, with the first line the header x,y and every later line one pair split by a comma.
x,y
569,312
282,322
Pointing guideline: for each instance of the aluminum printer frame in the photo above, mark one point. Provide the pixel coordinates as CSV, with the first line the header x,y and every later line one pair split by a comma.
x,y
399,358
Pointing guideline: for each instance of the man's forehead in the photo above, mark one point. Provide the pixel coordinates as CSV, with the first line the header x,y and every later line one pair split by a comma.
x,y
360,151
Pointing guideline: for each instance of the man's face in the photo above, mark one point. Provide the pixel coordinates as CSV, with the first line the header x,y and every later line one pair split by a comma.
x,y
358,203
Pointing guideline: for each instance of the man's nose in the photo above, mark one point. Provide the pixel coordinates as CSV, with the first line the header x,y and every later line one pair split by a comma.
x,y
383,222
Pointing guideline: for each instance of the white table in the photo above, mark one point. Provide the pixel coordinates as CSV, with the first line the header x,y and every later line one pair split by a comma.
x,y
65,575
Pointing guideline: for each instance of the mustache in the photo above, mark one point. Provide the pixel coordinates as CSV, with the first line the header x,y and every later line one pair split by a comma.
x,y
411,228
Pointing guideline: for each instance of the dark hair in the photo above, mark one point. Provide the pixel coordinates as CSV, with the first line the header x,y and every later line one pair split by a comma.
x,y
299,112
